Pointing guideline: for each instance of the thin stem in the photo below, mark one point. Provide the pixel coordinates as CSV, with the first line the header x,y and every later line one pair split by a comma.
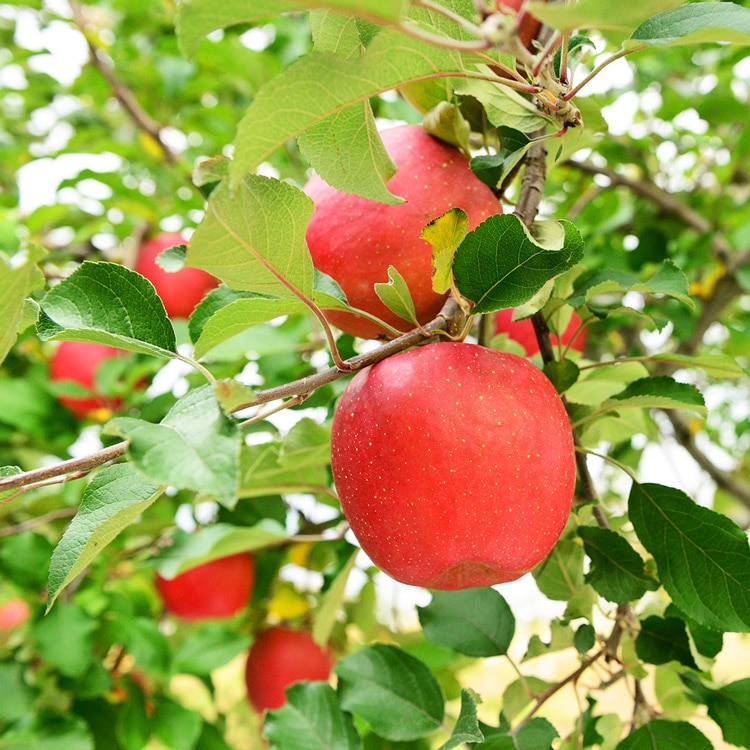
x,y
542,698
32,523
564,59
294,401
197,366
595,72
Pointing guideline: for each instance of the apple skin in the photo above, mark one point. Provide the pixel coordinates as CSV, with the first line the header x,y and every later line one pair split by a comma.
x,y
13,614
210,591
522,331
354,240
180,291
528,26
454,465
78,361
279,657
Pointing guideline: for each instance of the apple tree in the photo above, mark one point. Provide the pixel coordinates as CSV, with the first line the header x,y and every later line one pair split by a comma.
x,y
408,335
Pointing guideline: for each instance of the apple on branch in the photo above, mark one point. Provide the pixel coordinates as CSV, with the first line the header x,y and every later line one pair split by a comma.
x,y
78,362
212,590
454,465
180,291
279,657
355,240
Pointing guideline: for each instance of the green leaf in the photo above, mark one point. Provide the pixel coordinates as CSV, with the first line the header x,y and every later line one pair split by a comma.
x,y
703,557
106,303
212,646
307,443
662,640
327,611
113,499
19,276
492,169
475,622
504,106
196,446
466,729
728,706
661,734
218,540
239,315
617,571
520,693
18,697
561,637
719,366
393,692
177,727
197,18
538,734
585,638
445,234
66,624
658,392
311,719
667,280
254,239
263,472
500,265
49,732
562,373
560,575
693,24
321,84
395,295
593,14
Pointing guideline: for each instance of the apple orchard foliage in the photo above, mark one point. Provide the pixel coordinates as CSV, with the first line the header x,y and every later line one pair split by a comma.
x,y
204,122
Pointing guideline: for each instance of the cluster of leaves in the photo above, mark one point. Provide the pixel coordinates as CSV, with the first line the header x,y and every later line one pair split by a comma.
x,y
651,581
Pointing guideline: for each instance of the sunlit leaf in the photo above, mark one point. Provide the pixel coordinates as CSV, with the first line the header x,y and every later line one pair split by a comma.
x,y
703,558
114,498
500,265
393,692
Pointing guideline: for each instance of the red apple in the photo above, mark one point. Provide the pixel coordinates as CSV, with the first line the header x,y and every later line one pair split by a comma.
x,y
528,26
13,613
78,361
180,291
354,240
212,590
522,331
278,658
454,465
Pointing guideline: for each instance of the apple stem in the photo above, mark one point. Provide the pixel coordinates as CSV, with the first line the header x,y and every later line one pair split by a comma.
x,y
294,401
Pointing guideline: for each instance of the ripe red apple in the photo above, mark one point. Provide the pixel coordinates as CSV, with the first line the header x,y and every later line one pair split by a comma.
x,y
13,613
522,331
212,590
454,465
181,290
77,361
354,240
278,658
528,26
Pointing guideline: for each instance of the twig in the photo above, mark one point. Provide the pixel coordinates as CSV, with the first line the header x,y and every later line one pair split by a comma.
x,y
723,479
664,200
123,95
84,464
449,321
32,523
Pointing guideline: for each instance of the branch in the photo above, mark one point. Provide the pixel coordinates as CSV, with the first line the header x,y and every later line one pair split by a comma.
x,y
664,200
723,479
449,321
123,95
84,464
